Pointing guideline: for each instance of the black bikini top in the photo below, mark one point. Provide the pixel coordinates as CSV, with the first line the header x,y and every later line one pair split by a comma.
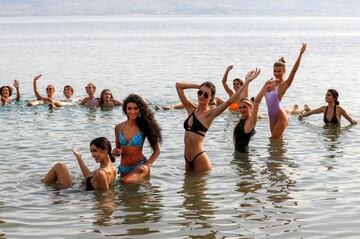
x,y
197,127
333,120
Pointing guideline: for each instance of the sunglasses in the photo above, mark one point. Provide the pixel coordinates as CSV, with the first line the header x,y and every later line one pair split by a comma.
x,y
202,93
87,87
49,88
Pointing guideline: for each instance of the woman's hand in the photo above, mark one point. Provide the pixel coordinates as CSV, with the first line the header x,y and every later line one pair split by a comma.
x,y
229,68
300,117
16,84
303,48
142,169
37,77
116,152
251,75
76,152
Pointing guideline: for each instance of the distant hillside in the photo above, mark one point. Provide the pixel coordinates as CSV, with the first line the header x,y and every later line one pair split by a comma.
x,y
181,7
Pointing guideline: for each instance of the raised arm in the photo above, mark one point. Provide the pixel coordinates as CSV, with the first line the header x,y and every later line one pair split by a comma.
x,y
84,169
288,82
346,116
38,96
251,122
224,81
180,87
16,85
311,112
250,76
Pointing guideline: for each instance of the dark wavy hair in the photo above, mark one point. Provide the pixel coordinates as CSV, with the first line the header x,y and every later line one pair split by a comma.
x,y
6,86
239,80
335,95
146,120
212,87
104,144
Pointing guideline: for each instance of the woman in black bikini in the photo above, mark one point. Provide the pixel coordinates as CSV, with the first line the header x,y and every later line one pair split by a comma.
x,y
200,119
332,112
245,128
101,178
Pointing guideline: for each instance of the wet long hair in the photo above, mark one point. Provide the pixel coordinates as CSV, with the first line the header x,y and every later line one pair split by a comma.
x,y
212,87
104,144
335,95
145,120
6,86
102,96
280,62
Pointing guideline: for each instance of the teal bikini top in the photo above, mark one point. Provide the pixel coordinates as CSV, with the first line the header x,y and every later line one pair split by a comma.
x,y
137,140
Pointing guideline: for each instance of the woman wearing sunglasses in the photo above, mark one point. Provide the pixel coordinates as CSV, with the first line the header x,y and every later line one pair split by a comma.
x,y
200,118
332,112
50,92
91,100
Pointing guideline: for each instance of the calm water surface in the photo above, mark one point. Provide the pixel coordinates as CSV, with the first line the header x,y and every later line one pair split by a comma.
x,y
305,186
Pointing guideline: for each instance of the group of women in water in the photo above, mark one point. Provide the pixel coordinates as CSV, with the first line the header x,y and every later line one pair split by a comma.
x,y
141,124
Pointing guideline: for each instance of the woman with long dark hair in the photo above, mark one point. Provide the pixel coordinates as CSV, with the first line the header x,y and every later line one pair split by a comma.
x,y
332,112
100,178
130,136
6,92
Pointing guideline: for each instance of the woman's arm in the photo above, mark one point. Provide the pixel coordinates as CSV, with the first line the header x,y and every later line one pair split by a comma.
x,y
250,76
117,150
118,102
84,169
288,82
16,85
251,122
154,155
100,181
38,96
226,87
180,87
346,116
311,112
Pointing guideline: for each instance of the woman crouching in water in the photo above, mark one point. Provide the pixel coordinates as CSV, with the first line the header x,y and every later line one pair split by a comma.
x,y
99,179
200,118
130,136
245,128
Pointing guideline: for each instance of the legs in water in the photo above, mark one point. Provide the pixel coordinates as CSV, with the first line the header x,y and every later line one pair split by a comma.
x,y
59,173
278,128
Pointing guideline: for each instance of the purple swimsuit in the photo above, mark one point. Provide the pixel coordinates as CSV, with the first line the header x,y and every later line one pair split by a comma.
x,y
273,104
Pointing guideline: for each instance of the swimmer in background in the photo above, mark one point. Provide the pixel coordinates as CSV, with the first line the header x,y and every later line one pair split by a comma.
x,y
68,100
295,110
277,116
237,83
91,99
200,118
245,128
99,179
107,100
6,92
50,92
130,136
332,111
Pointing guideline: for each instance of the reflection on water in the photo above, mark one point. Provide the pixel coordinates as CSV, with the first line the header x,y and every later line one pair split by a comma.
x,y
280,183
198,207
105,204
138,205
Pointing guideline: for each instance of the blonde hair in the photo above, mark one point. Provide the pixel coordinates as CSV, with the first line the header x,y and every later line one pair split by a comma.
x,y
280,62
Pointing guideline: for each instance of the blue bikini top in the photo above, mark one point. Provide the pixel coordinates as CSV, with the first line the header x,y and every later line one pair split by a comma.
x,y
137,140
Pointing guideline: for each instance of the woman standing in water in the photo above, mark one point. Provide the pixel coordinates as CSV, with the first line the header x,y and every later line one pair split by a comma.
x,y
332,112
277,116
130,136
245,128
101,178
6,92
200,118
